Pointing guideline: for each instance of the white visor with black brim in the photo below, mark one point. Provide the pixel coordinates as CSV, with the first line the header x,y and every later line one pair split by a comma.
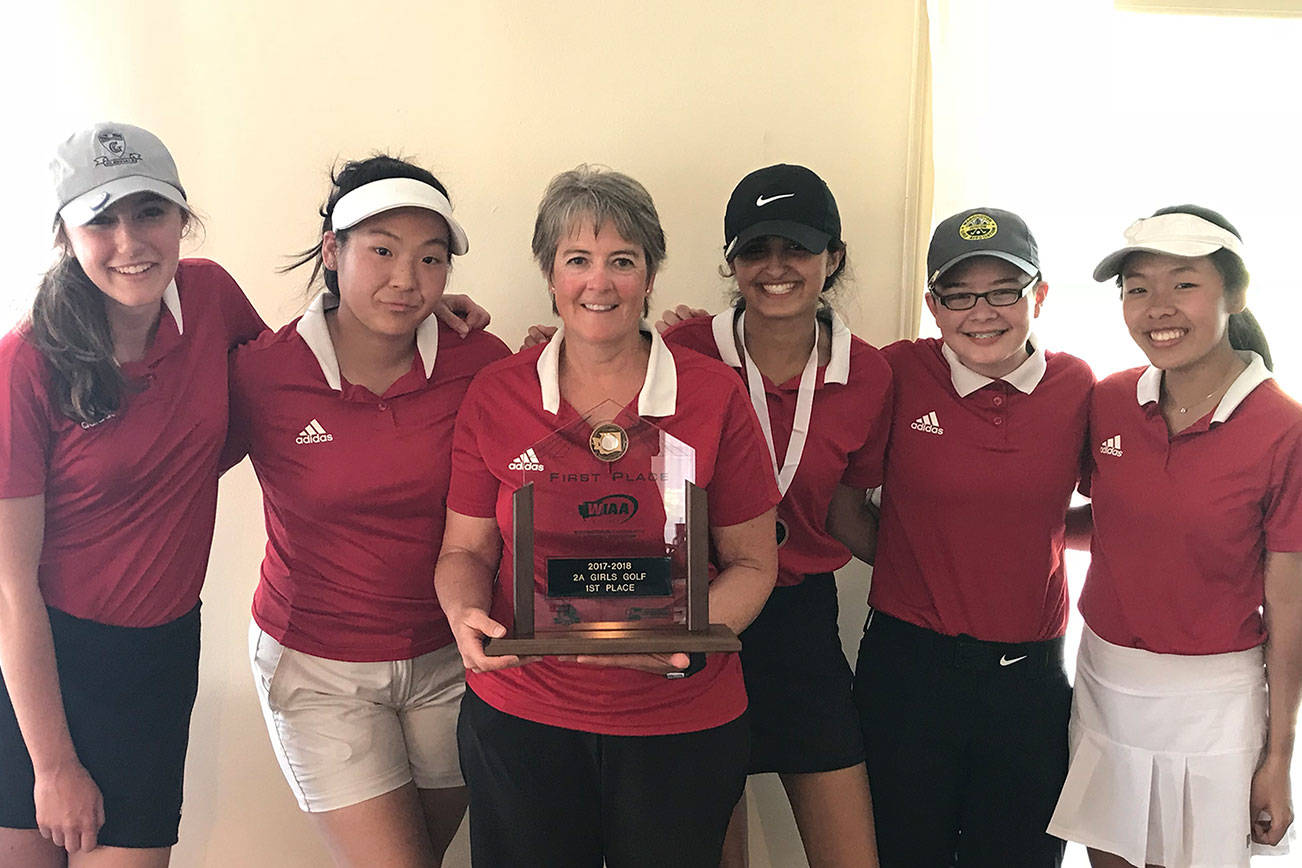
x,y
1171,234
387,194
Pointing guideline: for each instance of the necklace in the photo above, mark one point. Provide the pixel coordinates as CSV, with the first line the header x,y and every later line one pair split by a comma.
x,y
1220,388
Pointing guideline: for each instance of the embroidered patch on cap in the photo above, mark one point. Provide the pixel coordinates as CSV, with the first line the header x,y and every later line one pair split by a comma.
x,y
978,227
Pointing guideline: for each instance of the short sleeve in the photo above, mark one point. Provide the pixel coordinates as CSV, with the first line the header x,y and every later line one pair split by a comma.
x,y
742,485
242,322
1283,508
473,489
26,438
1086,470
866,467
239,430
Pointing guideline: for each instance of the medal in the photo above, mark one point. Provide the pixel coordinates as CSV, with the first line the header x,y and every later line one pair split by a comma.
x,y
608,442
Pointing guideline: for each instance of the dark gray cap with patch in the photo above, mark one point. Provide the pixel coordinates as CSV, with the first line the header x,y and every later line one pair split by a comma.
x,y
981,232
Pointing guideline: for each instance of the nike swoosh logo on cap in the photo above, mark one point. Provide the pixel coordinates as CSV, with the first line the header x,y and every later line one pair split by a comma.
x,y
1004,661
761,201
102,203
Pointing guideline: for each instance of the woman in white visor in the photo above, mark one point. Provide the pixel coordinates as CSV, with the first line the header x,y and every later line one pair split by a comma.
x,y
1187,682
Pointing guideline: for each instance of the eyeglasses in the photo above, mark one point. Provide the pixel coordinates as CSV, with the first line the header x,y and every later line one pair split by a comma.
x,y
994,298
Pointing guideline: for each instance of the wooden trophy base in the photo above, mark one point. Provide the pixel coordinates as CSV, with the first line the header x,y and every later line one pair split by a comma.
x,y
717,638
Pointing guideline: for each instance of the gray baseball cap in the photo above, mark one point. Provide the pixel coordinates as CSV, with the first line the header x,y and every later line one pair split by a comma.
x,y
99,165
982,232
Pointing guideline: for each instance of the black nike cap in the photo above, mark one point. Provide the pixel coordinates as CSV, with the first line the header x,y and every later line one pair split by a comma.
x,y
783,200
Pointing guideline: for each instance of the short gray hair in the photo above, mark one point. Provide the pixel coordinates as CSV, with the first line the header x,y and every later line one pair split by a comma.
x,y
602,195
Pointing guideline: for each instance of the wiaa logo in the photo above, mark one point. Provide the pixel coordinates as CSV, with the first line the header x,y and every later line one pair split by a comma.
x,y
621,506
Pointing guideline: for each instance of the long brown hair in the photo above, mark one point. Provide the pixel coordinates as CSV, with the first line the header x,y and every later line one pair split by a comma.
x,y
69,325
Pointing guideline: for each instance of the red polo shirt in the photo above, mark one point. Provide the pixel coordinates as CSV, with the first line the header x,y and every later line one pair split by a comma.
x,y
979,474
509,410
130,502
1182,523
353,487
848,427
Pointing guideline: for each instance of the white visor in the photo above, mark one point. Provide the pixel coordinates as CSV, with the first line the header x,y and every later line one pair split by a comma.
x,y
388,193
92,203
1172,234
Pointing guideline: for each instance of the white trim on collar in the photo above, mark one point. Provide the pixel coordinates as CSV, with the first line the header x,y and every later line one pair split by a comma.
x,y
659,394
1024,378
315,333
172,299
838,366
1149,388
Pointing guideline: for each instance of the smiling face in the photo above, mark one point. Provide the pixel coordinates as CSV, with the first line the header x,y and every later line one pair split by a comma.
x,y
131,250
989,340
392,269
600,284
1176,308
779,278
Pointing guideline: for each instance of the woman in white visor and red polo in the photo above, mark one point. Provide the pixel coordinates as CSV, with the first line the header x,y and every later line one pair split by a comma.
x,y
1188,677
347,414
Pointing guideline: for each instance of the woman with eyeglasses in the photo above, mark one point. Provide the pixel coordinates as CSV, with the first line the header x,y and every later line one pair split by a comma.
x,y
959,681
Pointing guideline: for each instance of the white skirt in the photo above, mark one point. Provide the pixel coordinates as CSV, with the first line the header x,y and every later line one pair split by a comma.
x,y
1163,749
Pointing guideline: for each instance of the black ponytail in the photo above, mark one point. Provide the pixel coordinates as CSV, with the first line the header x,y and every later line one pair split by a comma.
x,y
354,174
1246,334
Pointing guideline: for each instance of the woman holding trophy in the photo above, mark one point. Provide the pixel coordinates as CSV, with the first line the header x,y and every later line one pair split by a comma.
x,y
626,758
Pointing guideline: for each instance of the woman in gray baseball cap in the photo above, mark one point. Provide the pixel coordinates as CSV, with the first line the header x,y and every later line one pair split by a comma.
x,y
1190,666
113,418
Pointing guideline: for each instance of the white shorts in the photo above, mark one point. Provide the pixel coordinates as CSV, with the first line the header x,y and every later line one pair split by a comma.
x,y
1163,749
347,732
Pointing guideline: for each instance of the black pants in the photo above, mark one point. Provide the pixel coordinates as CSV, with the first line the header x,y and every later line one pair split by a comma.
x,y
965,756
545,796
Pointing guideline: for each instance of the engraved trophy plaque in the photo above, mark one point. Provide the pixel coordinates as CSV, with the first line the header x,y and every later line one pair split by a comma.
x,y
610,544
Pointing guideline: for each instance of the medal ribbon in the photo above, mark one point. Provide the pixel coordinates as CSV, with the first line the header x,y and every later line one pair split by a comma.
x,y
804,408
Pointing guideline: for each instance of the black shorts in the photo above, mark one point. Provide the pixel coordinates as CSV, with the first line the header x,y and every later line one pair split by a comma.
x,y
966,743
127,693
802,714
549,797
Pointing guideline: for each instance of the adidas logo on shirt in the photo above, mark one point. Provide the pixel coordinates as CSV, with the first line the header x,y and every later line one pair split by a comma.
x,y
313,433
928,423
1111,446
527,461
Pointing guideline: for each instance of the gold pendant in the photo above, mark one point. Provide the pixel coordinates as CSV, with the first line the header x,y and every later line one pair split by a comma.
x,y
608,442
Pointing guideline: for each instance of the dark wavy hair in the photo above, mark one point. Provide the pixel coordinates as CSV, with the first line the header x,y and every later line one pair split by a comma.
x,y
69,326
354,174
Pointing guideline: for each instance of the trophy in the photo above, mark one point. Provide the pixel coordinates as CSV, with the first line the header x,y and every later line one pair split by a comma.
x,y
610,543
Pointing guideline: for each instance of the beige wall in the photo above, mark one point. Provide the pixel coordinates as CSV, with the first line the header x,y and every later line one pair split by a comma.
x,y
257,99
